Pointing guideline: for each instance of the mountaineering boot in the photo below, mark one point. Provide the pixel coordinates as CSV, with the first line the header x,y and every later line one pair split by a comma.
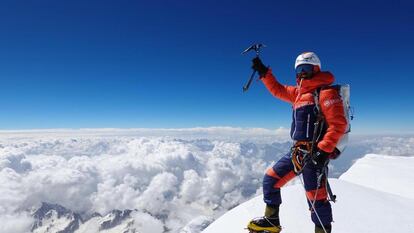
x,y
268,223
319,229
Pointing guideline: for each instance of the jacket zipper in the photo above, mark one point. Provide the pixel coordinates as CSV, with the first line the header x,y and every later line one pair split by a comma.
x,y
307,126
294,117
294,109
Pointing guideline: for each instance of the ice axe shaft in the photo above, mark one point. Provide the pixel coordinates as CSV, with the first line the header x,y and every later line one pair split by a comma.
x,y
256,48
247,85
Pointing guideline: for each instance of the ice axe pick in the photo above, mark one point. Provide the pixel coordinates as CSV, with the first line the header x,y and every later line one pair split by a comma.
x,y
256,48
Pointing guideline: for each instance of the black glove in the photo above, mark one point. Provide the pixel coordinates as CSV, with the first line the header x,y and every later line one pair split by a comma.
x,y
259,66
320,158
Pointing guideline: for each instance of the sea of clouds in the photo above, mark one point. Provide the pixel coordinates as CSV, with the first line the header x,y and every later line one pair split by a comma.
x,y
173,177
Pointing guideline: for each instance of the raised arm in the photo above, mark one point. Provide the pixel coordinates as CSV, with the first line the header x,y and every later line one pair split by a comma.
x,y
283,92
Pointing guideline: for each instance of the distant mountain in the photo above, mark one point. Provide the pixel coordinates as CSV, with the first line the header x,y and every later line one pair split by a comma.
x,y
53,218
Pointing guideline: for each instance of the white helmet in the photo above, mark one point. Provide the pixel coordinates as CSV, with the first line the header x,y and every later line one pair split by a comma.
x,y
308,58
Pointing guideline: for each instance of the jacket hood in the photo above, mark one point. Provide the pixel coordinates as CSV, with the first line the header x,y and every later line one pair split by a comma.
x,y
320,79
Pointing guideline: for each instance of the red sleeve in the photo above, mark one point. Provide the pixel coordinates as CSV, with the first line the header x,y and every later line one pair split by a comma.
x,y
333,111
283,92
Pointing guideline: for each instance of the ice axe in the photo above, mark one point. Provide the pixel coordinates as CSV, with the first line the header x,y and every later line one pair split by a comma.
x,y
255,47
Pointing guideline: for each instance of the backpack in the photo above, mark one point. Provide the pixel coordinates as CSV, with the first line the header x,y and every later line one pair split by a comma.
x,y
344,93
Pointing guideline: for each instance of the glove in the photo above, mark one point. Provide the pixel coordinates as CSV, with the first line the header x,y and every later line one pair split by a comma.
x,y
319,158
259,66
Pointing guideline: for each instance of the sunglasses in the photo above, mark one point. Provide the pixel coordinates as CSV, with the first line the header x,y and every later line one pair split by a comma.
x,y
305,68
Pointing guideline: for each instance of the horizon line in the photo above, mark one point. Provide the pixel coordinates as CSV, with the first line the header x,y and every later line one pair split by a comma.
x,y
253,130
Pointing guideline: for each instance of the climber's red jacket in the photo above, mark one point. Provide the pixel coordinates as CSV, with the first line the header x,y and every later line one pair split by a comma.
x,y
302,98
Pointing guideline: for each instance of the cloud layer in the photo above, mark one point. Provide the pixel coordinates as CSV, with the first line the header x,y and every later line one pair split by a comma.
x,y
176,180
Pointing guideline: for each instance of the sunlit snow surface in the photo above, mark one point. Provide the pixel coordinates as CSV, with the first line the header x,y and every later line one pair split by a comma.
x,y
177,179
366,202
388,174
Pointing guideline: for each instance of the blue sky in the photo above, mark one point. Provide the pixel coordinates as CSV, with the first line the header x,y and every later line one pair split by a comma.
x,y
77,64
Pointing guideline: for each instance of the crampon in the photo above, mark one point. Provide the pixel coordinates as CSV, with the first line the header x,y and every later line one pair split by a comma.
x,y
264,225
261,231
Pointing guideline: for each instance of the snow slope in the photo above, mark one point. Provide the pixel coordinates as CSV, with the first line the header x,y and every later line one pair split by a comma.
x,y
384,173
362,204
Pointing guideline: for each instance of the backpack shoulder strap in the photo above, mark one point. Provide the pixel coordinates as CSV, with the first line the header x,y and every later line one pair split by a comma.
x,y
319,121
316,94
